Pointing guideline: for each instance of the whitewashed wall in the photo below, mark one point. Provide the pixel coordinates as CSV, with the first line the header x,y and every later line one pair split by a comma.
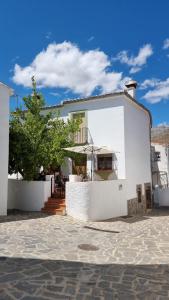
x,y
161,196
105,120
137,148
96,200
107,129
28,195
4,142
161,165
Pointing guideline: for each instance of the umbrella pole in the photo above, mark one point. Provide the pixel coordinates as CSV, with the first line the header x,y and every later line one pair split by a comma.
x,y
92,165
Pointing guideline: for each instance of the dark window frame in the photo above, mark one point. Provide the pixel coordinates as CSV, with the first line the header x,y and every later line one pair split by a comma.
x,y
157,156
104,162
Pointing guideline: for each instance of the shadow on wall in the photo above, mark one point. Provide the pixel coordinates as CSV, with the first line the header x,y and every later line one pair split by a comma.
x,y
29,279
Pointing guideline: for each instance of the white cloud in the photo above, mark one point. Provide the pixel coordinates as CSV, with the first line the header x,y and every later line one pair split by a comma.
x,y
66,66
135,62
48,35
163,124
149,83
54,94
91,39
166,44
14,59
159,90
134,70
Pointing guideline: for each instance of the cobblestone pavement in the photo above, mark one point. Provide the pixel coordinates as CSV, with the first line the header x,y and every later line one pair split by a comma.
x,y
42,257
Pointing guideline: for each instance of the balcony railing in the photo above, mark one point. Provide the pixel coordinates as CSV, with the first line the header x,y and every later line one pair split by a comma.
x,y
82,136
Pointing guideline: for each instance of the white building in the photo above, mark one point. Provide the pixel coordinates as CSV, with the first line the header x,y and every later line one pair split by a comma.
x,y
160,155
5,93
160,165
122,124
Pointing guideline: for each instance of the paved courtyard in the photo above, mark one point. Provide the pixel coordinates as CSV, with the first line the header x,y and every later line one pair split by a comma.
x,y
54,257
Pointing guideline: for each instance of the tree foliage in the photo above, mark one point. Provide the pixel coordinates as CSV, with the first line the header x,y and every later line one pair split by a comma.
x,y
37,139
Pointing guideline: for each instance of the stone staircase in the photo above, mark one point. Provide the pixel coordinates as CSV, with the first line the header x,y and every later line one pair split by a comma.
x,y
55,205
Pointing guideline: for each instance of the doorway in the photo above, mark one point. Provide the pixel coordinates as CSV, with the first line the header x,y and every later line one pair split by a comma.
x,y
148,195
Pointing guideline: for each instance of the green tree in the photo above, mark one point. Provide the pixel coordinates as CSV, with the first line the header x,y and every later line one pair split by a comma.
x,y
61,135
37,139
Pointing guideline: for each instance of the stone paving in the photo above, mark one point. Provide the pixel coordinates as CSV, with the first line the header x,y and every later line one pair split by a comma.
x,y
42,257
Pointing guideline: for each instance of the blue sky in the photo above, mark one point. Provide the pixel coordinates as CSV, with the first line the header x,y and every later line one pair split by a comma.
x,y
80,48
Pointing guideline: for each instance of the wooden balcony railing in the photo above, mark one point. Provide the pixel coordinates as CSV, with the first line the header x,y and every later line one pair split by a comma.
x,y
81,136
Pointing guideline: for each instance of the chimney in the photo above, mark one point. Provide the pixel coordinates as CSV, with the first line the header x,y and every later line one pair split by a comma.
x,y
131,88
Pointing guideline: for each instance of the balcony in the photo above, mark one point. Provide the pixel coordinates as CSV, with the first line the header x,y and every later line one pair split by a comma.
x,y
82,136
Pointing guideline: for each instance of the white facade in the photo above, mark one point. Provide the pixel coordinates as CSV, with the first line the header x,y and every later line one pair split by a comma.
x,y
118,122
137,149
5,93
99,200
161,196
160,164
105,121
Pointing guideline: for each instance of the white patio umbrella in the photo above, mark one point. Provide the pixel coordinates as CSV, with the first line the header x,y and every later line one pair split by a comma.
x,y
90,149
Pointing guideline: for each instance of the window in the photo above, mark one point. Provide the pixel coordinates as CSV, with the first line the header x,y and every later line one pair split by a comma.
x,y
79,115
157,156
139,193
104,162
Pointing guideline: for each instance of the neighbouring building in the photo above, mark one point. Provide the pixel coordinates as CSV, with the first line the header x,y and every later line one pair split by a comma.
x,y
160,156
119,122
5,93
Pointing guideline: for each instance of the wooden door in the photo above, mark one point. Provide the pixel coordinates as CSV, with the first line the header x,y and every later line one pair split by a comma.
x,y
148,195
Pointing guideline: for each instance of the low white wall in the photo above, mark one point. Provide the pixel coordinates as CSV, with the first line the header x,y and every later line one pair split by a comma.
x,y
4,141
96,200
28,195
161,196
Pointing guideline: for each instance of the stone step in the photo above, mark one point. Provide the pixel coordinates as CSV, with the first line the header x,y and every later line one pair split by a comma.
x,y
57,195
54,211
54,205
55,202
51,205
55,199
